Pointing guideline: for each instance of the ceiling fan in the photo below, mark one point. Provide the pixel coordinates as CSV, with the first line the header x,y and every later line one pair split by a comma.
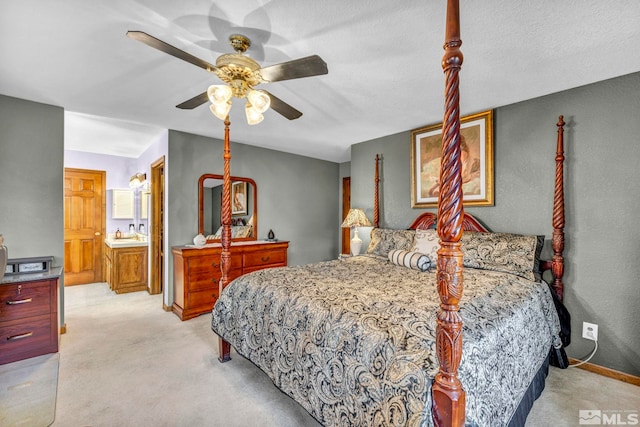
x,y
241,73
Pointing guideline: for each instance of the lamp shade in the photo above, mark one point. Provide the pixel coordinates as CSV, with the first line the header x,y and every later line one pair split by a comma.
x,y
219,94
356,218
221,111
253,116
259,100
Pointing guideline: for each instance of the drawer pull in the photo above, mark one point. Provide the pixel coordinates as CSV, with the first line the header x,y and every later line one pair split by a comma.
x,y
21,301
20,336
213,264
266,259
214,280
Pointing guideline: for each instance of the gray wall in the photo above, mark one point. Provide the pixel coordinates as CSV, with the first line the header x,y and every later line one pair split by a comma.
x,y
31,173
602,200
297,195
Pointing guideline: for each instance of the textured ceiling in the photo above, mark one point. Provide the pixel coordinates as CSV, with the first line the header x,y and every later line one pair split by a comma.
x,y
383,58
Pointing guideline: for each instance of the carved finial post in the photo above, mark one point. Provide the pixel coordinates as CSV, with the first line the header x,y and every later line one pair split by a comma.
x,y
224,348
557,242
376,197
448,395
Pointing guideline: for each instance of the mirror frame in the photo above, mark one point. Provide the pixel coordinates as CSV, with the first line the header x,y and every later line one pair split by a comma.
x,y
201,205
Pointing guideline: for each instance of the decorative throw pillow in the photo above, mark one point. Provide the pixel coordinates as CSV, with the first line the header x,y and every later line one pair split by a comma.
x,y
413,260
510,253
426,242
384,240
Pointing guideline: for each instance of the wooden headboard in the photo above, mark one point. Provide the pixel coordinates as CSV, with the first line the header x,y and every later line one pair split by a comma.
x,y
428,220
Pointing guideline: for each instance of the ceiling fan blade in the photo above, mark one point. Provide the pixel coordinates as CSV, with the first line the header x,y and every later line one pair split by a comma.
x,y
304,67
194,102
279,106
171,50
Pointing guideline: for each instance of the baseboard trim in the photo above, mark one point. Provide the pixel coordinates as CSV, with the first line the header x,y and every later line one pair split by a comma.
x,y
607,372
166,307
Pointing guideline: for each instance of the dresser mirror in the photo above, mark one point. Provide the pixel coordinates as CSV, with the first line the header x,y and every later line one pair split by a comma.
x,y
244,208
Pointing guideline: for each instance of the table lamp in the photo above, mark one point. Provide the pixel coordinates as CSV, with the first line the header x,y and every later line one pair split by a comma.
x,y
356,218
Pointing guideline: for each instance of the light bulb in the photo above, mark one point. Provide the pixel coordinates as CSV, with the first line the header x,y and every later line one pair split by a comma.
x,y
259,100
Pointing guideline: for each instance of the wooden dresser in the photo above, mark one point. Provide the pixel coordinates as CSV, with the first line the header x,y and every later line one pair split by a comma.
x,y
196,272
29,315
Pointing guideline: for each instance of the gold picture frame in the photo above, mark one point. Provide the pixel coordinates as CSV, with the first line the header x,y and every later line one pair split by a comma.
x,y
476,131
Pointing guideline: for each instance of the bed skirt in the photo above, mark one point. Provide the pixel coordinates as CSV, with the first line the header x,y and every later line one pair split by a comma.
x,y
534,391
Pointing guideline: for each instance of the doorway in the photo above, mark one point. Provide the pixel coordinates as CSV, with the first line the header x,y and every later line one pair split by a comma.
x,y
84,225
156,228
346,205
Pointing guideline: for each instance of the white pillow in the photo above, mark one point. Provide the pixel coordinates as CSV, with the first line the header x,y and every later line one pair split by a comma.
x,y
426,242
413,260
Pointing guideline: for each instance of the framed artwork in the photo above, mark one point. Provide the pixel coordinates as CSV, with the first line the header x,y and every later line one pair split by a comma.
x,y
476,155
239,198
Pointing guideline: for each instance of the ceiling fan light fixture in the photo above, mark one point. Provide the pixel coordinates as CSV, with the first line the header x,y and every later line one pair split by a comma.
x,y
241,73
253,116
259,100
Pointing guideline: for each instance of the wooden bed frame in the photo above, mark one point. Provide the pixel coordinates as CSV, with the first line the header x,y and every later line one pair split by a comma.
x,y
447,392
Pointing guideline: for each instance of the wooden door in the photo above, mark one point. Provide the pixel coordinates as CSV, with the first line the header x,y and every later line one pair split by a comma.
x,y
84,225
346,205
156,227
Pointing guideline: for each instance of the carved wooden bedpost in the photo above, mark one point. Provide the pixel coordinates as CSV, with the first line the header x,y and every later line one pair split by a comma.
x,y
376,197
448,395
557,242
224,348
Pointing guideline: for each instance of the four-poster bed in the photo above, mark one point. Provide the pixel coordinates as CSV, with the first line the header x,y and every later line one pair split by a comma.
x,y
386,347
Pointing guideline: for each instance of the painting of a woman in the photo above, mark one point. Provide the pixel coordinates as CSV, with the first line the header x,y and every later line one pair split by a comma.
x,y
476,157
239,198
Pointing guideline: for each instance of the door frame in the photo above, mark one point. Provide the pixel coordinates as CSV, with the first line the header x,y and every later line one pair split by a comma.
x,y
157,282
346,205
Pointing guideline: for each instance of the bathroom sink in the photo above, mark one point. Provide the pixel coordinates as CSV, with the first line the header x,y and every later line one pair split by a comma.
x,y
125,243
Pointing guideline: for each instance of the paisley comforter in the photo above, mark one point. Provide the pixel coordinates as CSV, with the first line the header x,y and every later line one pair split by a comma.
x,y
353,340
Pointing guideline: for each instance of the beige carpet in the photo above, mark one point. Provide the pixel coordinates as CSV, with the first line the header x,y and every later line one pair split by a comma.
x,y
28,391
126,362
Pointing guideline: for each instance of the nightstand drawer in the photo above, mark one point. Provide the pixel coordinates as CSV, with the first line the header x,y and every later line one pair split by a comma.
x,y
23,300
264,258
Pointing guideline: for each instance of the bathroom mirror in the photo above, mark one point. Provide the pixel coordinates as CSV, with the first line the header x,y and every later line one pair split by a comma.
x,y
244,207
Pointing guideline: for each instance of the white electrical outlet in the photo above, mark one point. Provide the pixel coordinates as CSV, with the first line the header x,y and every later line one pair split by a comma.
x,y
590,331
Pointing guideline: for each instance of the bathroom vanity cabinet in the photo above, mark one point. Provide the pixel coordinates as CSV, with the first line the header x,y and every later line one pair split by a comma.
x,y
126,267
